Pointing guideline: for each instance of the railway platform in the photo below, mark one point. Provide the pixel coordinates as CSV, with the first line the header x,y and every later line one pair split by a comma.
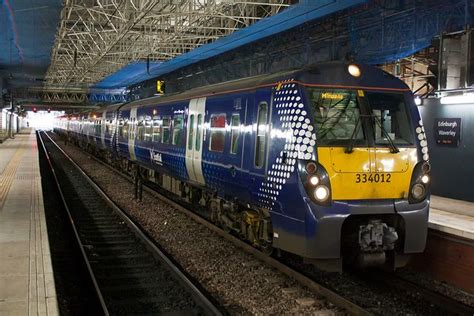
x,y
454,217
449,253
26,277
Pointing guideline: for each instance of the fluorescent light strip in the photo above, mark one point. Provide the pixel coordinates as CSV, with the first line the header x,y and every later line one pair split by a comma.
x,y
458,99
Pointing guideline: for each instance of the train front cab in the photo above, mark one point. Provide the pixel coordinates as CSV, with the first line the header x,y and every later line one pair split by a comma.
x,y
367,189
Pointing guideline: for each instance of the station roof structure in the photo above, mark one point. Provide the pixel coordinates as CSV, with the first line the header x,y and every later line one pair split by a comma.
x,y
295,15
66,51
97,38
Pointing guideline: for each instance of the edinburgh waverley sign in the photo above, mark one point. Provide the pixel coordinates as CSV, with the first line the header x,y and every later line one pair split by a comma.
x,y
448,131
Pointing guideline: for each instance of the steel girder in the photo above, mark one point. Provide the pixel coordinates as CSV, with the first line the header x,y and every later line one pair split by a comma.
x,y
50,95
98,37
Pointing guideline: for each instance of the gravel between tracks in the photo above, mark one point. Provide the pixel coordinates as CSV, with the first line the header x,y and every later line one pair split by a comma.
x,y
240,282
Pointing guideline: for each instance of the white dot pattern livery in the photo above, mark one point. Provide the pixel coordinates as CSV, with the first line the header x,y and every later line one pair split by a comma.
x,y
300,140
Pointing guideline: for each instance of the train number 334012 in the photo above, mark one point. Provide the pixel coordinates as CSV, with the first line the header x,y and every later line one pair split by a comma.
x,y
373,177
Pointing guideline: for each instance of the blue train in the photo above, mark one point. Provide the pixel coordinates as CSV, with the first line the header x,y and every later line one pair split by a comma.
x,y
330,163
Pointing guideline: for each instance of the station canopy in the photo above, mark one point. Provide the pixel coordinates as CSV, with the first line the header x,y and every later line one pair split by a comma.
x,y
98,37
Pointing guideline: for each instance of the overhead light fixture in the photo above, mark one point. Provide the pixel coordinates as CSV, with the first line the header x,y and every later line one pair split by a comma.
x,y
458,99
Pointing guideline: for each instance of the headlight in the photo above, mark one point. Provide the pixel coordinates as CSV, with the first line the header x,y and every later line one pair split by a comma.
x,y
418,191
314,180
321,193
425,179
354,70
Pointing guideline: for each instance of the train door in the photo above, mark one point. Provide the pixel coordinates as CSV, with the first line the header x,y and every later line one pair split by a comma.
x,y
132,133
257,141
194,139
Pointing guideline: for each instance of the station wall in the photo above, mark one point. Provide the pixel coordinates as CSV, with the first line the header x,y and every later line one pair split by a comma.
x,y
452,165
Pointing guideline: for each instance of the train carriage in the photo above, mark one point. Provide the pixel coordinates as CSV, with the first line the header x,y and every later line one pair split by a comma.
x,y
329,163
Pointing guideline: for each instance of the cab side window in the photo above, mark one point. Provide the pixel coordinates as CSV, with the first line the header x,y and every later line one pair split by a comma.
x,y
261,140
217,138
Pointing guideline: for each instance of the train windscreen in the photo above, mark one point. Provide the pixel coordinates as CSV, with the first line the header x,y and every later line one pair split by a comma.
x,y
390,120
343,116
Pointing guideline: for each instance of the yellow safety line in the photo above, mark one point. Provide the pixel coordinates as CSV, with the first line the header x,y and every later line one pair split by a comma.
x,y
8,174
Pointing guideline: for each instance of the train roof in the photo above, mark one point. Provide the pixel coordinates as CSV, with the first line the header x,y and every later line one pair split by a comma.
x,y
330,74
235,85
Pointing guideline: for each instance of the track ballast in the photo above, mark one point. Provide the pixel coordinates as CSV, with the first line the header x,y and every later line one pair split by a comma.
x,y
130,273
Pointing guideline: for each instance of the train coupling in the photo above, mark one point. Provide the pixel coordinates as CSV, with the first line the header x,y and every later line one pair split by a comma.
x,y
374,239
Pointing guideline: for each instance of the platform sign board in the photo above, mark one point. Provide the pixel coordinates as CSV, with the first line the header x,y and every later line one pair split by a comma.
x,y
448,131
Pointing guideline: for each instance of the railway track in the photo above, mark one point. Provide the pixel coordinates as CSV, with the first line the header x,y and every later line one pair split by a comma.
x,y
330,295
129,272
435,303
444,304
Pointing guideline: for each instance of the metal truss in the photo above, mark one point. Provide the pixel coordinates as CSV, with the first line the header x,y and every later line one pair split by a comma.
x,y
66,96
98,37
51,95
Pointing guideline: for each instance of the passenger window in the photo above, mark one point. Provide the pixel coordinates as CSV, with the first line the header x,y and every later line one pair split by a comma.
x,y
217,138
141,130
261,134
177,130
191,132
198,133
157,129
148,130
235,133
120,128
166,130
125,129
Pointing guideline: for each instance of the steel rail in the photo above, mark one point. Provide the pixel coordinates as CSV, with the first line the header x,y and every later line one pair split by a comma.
x,y
200,298
73,225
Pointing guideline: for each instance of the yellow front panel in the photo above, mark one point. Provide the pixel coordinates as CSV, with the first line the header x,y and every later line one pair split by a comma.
x,y
357,161
387,177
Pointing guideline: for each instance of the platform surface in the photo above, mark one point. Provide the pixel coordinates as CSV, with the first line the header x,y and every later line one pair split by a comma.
x,y
26,275
451,216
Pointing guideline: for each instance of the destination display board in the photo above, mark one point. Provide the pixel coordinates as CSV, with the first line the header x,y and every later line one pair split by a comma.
x,y
448,131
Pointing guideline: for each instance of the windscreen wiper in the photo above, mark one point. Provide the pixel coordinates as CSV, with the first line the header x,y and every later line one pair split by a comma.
x,y
393,148
350,147
336,114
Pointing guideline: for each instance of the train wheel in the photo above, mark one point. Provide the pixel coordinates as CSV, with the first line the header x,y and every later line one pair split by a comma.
x,y
267,248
